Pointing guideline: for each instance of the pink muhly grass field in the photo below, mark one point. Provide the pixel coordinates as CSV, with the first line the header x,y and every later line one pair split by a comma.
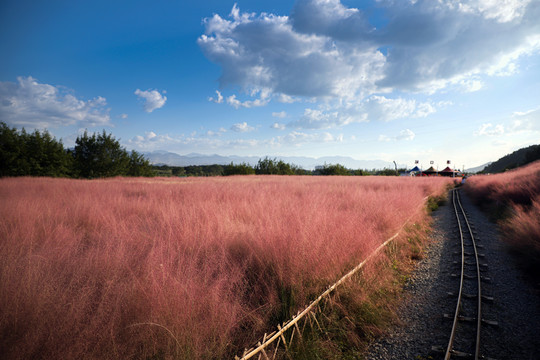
x,y
519,191
189,268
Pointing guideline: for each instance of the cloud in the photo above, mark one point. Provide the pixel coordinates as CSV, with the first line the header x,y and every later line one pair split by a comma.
x,y
151,141
152,99
123,116
325,49
387,109
489,129
218,99
502,11
286,99
264,52
406,135
525,121
33,104
234,102
374,108
242,127
298,138
281,114
278,126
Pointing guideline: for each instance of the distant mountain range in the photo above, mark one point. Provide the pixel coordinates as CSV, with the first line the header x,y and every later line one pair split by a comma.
x,y
161,157
477,168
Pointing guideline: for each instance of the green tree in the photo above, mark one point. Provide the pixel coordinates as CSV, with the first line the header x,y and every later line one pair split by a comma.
x,y
34,154
100,155
239,169
139,165
10,151
268,166
333,169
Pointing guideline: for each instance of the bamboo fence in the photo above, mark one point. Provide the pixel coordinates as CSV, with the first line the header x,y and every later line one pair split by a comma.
x,y
308,314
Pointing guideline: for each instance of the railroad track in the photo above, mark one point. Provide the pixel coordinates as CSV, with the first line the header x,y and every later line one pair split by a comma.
x,y
466,334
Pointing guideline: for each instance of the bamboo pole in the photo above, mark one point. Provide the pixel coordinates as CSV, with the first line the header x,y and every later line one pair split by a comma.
x,y
309,309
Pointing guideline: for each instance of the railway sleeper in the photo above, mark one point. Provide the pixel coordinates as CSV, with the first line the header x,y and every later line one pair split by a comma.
x,y
460,318
471,319
469,254
441,349
485,298
467,276
453,352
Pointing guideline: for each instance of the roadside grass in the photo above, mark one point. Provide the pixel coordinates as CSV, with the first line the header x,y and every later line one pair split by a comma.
x,y
512,199
194,268
362,309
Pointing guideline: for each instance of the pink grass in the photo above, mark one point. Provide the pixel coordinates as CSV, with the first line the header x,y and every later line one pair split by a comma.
x,y
192,268
518,191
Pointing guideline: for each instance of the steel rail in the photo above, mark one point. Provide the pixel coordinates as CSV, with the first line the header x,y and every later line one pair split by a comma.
x,y
456,202
479,304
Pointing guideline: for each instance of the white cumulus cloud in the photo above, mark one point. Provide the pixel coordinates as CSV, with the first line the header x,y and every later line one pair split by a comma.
x,y
281,114
278,126
242,127
325,48
33,104
218,99
406,135
489,129
152,99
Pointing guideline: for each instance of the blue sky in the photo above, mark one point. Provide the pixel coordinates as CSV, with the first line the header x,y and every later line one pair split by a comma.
x,y
396,80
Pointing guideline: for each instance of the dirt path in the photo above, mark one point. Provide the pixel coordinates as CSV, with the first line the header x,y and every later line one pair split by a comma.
x,y
516,305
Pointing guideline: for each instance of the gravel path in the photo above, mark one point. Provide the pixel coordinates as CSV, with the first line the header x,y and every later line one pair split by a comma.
x,y
516,305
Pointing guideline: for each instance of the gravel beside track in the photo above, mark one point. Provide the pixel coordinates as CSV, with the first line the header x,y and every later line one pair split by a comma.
x,y
516,305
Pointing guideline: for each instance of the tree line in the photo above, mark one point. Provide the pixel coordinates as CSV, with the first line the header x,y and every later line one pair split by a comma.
x,y
266,166
38,153
100,155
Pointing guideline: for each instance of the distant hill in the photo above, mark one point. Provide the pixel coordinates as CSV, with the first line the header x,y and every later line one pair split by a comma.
x,y
478,168
161,157
516,159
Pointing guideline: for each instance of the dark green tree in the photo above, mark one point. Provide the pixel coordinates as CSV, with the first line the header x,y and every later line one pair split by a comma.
x,y
34,154
238,169
333,169
139,165
100,155
268,166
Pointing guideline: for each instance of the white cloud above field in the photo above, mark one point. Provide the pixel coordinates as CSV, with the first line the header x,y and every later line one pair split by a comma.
x,y
528,121
33,104
374,108
330,57
281,114
488,129
242,127
152,99
406,135
325,49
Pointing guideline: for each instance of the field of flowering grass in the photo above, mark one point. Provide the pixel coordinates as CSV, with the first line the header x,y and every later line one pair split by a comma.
x,y
514,198
180,268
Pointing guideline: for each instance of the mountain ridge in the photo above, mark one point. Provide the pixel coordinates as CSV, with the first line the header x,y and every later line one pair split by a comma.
x,y
161,157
